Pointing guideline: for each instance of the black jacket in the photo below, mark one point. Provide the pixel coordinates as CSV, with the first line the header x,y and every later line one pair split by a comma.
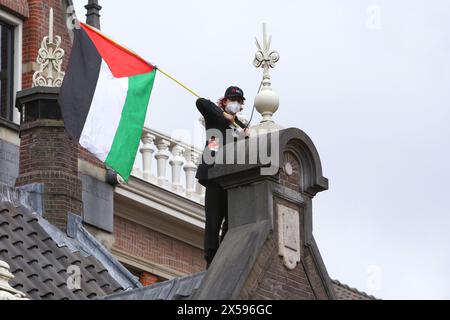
x,y
214,119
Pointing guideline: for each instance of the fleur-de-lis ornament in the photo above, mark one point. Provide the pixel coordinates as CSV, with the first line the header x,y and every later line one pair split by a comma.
x,y
266,101
265,57
49,60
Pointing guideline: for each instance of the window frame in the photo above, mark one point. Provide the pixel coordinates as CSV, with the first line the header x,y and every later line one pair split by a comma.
x,y
17,24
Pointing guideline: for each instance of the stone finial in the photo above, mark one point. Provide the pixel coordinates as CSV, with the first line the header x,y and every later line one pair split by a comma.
x,y
49,60
93,13
6,291
267,101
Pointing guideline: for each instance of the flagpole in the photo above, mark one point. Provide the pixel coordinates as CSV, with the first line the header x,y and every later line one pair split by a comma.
x,y
184,86
177,81
139,57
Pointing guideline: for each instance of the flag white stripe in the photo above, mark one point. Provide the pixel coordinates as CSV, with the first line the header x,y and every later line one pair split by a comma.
x,y
104,115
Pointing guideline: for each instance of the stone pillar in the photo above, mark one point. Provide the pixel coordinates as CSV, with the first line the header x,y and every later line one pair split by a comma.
x,y
147,155
176,163
48,156
162,155
190,168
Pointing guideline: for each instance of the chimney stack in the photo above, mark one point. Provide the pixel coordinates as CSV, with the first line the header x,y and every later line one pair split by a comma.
x,y
93,13
48,156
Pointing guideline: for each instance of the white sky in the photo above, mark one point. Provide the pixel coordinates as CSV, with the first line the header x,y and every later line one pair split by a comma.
x,y
374,99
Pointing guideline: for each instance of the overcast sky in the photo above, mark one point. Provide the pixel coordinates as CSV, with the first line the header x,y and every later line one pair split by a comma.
x,y
368,81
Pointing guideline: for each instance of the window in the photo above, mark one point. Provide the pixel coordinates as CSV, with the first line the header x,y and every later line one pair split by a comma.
x,y
7,71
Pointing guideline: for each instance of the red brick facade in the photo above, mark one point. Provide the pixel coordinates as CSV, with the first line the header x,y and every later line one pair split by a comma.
x,y
89,157
156,247
290,181
35,28
35,14
16,7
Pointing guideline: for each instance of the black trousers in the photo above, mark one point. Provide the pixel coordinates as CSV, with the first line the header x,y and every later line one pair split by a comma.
x,y
216,212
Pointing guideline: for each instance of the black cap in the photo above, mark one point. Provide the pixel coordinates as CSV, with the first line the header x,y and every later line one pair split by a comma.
x,y
234,92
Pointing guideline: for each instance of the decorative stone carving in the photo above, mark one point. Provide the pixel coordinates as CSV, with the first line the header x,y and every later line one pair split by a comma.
x,y
288,169
289,236
170,155
267,101
6,291
265,57
50,59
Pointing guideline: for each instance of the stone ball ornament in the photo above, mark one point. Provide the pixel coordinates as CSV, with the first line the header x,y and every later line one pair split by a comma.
x,y
267,103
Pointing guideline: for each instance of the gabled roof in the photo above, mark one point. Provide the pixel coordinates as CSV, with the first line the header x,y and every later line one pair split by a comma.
x,y
39,256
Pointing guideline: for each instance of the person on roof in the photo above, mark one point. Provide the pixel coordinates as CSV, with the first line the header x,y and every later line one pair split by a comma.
x,y
219,118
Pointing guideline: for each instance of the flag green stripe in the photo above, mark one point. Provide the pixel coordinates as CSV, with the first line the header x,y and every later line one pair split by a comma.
x,y
128,135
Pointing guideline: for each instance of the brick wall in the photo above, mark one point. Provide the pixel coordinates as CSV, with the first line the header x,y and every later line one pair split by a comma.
x,y
16,7
269,278
52,158
47,155
35,14
290,181
35,28
156,247
89,157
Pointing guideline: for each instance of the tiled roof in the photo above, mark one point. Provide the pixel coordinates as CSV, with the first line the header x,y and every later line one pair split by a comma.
x,y
344,292
184,288
175,289
40,266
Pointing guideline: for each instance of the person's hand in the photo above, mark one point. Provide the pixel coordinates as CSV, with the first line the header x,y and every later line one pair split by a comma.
x,y
230,117
247,132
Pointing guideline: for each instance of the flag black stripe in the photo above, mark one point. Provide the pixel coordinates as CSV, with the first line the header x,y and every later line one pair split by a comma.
x,y
79,84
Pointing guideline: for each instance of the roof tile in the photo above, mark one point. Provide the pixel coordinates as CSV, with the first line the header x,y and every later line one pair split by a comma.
x,y
40,265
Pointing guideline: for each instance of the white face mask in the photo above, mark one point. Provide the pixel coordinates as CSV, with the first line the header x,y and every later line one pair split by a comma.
x,y
233,107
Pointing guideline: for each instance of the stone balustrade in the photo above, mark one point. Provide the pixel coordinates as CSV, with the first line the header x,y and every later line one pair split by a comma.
x,y
170,164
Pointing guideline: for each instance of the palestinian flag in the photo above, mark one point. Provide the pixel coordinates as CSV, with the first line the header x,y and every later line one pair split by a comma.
x,y
104,98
